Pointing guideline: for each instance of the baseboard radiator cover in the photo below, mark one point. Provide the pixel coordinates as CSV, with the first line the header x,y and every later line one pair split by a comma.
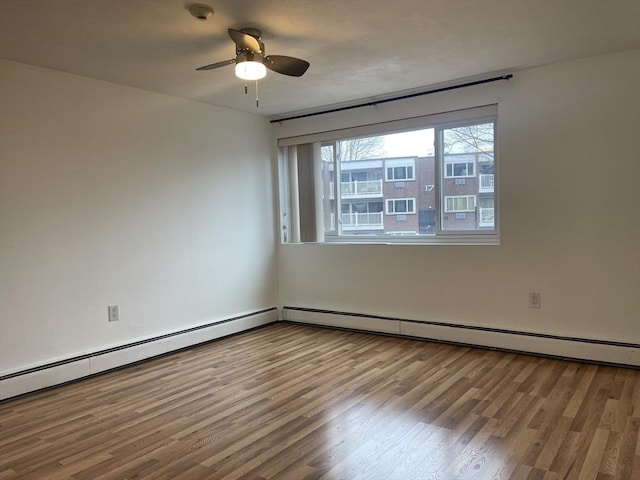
x,y
49,375
571,348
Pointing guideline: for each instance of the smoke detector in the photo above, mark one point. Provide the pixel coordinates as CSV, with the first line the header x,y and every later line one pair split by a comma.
x,y
201,12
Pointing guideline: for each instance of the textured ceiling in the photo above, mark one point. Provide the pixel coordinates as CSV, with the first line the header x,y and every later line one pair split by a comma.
x,y
358,50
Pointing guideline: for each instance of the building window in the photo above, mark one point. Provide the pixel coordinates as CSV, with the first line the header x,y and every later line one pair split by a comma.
x,y
486,212
458,168
428,180
400,173
401,205
460,203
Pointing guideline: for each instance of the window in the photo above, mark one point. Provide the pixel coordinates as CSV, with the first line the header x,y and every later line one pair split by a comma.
x,y
456,167
399,169
466,203
401,205
423,180
400,173
486,212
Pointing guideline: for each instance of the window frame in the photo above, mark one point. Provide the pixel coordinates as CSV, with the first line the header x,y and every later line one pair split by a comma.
x,y
439,122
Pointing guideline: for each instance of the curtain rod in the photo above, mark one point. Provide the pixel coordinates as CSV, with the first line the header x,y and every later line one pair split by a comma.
x,y
394,99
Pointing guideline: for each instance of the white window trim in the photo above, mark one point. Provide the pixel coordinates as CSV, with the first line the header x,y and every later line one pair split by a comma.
x,y
388,200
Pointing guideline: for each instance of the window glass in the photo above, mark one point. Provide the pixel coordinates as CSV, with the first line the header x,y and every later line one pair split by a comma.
x,y
467,196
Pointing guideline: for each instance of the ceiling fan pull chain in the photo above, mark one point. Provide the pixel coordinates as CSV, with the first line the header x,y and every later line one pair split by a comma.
x,y
246,90
257,101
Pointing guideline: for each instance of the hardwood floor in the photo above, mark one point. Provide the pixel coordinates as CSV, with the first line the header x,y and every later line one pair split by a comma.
x,y
296,402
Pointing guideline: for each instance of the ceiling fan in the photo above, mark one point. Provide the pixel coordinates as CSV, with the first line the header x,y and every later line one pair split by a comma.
x,y
251,61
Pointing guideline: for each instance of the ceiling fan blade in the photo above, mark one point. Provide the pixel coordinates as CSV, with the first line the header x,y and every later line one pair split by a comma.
x,y
245,41
292,66
218,65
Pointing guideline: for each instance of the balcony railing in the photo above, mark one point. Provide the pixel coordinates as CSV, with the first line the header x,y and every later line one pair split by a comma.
x,y
370,188
361,221
487,217
486,182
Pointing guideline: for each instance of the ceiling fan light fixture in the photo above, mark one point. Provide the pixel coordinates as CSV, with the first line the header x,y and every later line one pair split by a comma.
x,y
250,66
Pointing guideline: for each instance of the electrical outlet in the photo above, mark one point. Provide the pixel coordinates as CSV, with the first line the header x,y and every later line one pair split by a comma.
x,y
534,300
114,313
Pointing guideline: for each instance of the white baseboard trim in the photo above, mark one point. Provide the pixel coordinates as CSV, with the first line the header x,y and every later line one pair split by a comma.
x,y
45,376
600,351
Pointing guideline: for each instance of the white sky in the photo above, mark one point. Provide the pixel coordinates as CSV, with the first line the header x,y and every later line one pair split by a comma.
x,y
409,144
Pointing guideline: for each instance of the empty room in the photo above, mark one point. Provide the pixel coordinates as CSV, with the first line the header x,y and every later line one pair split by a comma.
x,y
320,240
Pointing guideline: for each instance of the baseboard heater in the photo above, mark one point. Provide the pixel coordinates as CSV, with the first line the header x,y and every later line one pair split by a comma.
x,y
571,348
74,368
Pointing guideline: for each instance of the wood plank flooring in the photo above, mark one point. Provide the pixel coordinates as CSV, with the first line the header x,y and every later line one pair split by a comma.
x,y
296,402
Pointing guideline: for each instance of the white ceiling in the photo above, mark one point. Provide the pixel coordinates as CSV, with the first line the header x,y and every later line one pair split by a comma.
x,y
358,49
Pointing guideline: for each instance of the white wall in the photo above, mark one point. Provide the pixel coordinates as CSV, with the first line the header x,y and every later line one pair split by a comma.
x,y
569,152
113,195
